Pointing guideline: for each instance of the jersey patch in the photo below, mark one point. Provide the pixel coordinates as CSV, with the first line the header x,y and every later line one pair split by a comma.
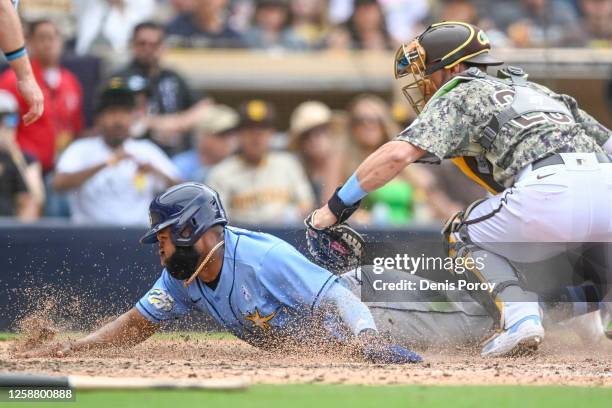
x,y
160,300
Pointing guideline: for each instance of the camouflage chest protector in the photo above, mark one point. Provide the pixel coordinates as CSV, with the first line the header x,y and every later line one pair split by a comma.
x,y
525,100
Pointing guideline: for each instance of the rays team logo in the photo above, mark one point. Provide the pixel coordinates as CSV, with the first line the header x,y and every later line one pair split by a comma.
x,y
160,300
260,321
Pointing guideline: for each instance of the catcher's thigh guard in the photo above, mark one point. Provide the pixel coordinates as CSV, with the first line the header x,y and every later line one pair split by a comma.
x,y
477,266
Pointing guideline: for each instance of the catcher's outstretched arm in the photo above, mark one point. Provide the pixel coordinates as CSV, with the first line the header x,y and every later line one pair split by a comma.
x,y
386,163
377,170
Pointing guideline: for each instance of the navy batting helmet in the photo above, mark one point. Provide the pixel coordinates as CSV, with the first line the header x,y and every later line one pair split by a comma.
x,y
190,209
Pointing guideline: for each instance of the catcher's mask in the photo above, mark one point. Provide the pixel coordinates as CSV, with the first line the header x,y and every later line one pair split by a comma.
x,y
190,209
441,45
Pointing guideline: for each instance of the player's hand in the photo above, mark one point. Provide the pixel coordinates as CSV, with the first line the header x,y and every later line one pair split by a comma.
x,y
390,354
377,350
59,350
118,155
30,91
322,218
148,168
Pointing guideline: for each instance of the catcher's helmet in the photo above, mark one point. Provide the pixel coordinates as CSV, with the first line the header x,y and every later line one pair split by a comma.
x,y
441,45
190,209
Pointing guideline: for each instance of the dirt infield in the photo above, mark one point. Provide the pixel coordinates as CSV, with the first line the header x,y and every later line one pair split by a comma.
x,y
560,362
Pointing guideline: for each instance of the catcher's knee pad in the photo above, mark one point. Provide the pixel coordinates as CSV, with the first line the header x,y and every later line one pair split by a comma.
x,y
479,268
455,229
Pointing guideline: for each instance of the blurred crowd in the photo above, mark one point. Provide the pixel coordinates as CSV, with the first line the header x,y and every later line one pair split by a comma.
x,y
105,26
108,143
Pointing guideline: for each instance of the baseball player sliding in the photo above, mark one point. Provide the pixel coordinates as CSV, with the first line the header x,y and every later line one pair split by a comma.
x,y
255,285
543,160
13,45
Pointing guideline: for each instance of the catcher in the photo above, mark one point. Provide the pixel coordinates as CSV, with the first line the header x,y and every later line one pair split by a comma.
x,y
255,285
544,161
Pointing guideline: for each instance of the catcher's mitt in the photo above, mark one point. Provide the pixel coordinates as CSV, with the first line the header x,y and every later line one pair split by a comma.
x,y
338,248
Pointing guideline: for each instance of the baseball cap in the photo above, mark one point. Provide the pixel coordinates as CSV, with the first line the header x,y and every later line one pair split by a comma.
x,y
256,113
116,93
308,115
218,119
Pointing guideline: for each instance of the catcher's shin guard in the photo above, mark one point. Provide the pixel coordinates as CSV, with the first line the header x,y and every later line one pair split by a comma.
x,y
476,265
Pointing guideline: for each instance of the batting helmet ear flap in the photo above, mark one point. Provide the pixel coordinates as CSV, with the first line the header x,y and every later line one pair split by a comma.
x,y
188,222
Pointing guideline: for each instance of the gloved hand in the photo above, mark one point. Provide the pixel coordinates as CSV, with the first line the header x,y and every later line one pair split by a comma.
x,y
389,354
338,248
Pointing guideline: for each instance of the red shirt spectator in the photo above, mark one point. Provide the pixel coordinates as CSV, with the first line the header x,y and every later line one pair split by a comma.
x,y
62,118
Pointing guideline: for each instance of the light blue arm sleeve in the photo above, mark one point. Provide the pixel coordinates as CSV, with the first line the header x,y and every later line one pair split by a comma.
x,y
166,300
292,279
353,312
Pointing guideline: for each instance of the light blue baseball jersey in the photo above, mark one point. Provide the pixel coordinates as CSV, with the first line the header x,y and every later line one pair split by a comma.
x,y
267,289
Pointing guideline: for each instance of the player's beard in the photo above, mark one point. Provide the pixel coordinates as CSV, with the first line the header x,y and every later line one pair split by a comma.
x,y
183,262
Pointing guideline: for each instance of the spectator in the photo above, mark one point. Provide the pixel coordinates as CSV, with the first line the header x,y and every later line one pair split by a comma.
x,y
459,10
259,186
367,26
111,178
205,27
214,140
183,6
169,130
467,11
414,196
106,25
309,22
21,187
312,138
166,91
166,10
338,39
62,119
370,126
597,18
402,17
269,28
537,23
